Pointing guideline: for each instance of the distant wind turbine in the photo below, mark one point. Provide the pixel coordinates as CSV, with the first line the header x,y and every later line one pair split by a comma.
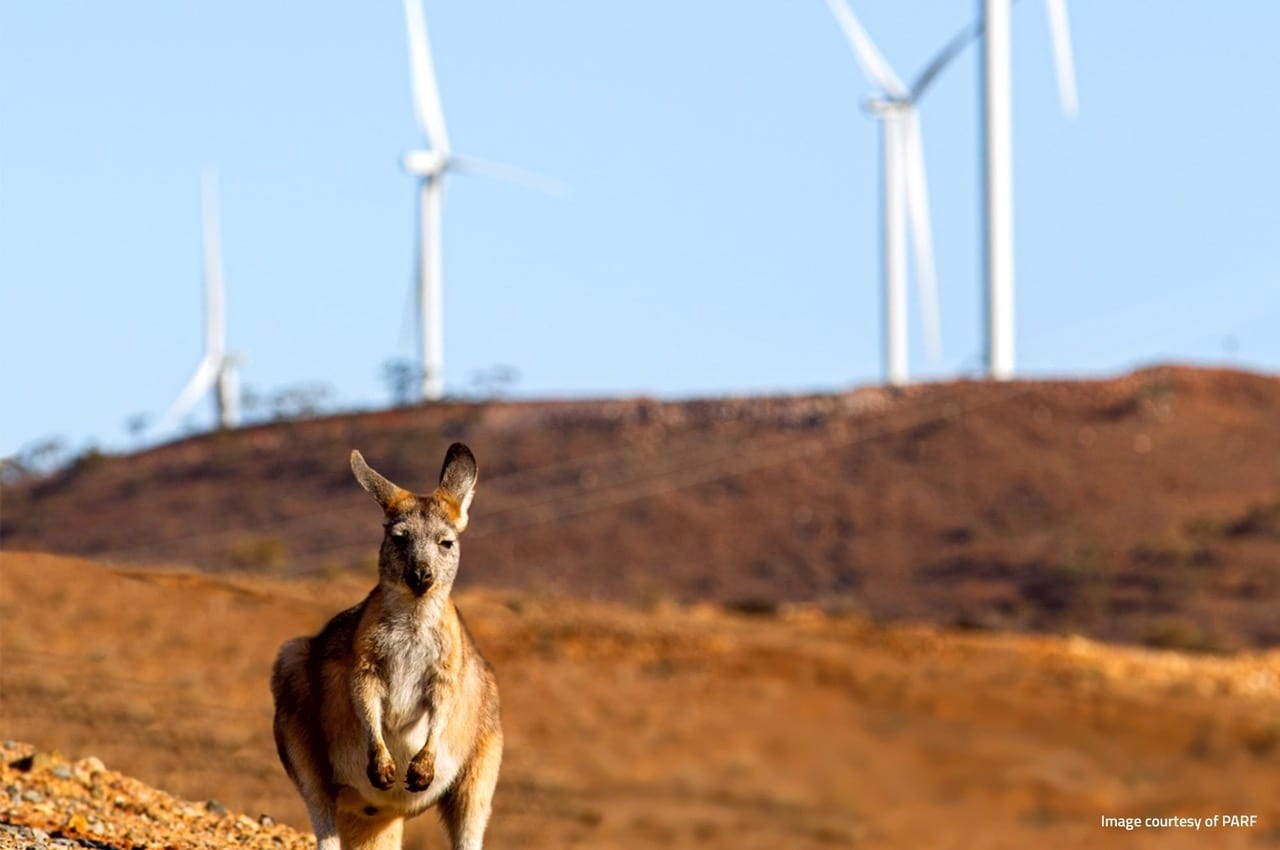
x,y
430,166
904,195
997,165
217,369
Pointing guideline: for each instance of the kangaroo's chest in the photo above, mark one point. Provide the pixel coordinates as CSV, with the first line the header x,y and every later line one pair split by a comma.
x,y
411,665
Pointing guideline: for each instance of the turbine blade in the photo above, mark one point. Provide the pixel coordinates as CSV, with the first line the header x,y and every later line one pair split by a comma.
x,y
869,58
950,51
1063,59
215,330
204,378
921,231
426,94
510,174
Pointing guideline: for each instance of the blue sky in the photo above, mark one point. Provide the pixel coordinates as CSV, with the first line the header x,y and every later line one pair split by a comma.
x,y
722,235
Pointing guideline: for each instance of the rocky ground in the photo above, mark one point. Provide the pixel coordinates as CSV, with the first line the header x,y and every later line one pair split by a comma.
x,y
47,801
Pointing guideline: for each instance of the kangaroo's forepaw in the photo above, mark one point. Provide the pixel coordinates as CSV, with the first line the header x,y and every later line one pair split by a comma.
x,y
421,772
382,771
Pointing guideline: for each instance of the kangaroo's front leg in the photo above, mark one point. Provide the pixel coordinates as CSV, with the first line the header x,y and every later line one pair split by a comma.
x,y
367,694
422,769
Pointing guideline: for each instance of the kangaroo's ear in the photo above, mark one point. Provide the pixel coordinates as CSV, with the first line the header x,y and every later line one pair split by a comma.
x,y
386,493
458,479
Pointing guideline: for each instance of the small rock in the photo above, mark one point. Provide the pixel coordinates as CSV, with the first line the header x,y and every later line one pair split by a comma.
x,y
215,807
77,823
35,761
10,744
14,791
266,820
86,769
62,771
33,796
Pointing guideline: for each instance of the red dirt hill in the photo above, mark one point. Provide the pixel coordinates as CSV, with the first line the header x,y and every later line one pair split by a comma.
x,y
1144,508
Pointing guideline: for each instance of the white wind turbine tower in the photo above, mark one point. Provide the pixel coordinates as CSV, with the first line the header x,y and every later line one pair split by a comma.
x,y
430,167
218,368
904,196
997,244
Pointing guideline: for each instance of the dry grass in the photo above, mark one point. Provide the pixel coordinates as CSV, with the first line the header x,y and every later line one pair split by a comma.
x,y
673,727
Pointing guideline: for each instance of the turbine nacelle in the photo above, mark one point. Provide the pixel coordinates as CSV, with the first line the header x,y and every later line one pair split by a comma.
x,y
886,107
425,163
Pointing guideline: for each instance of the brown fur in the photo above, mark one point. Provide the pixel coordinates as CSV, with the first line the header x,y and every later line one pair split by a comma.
x,y
391,709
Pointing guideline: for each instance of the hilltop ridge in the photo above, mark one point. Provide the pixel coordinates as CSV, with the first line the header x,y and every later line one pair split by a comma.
x,y
1143,508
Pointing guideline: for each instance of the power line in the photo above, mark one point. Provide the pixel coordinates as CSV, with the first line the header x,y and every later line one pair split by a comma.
x,y
518,477
698,458
694,444
695,476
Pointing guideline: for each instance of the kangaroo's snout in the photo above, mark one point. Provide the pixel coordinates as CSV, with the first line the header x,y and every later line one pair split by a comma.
x,y
419,579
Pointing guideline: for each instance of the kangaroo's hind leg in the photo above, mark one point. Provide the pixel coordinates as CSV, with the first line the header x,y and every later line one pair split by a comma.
x,y
298,738
466,807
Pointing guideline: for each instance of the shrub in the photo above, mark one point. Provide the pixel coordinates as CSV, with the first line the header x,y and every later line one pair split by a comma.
x,y
1076,589
754,606
259,553
1169,553
1261,741
1182,634
1259,520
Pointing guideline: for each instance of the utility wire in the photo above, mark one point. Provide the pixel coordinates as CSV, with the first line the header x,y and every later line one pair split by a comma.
x,y
694,445
694,476
569,499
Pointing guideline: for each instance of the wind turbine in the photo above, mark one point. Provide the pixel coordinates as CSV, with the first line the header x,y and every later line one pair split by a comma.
x,y
218,368
430,165
904,195
997,183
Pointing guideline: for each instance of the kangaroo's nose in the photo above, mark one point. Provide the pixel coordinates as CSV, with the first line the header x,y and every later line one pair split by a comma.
x,y
419,579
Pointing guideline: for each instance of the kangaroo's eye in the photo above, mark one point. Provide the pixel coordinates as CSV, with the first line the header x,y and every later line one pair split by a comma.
x,y
446,543
399,533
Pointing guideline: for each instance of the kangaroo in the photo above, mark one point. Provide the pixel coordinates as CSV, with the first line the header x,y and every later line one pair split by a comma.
x,y
391,709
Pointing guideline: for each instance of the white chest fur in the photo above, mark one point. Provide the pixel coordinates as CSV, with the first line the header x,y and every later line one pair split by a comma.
x,y
410,652
409,649
410,669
